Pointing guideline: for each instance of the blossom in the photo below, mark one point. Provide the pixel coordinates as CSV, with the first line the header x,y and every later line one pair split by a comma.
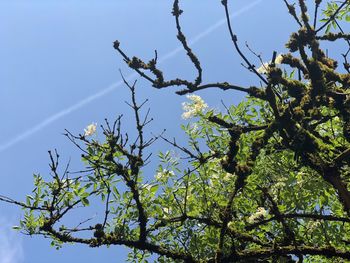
x,y
265,67
167,211
258,215
163,175
90,129
194,128
193,108
279,59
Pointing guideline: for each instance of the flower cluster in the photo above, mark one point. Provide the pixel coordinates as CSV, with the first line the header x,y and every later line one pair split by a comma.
x,y
280,184
90,129
167,211
264,68
260,214
193,108
164,175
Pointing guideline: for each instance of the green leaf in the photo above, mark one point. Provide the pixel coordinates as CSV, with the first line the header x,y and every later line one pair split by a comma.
x,y
154,189
85,201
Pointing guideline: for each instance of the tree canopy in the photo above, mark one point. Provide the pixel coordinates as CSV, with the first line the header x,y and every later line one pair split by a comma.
x,y
266,180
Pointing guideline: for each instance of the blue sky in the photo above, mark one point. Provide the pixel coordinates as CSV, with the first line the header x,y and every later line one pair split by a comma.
x,y
58,70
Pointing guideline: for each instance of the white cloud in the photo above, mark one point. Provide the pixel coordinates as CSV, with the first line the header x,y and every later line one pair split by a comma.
x,y
11,250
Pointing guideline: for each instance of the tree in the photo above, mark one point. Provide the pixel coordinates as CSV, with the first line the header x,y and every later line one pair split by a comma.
x,y
265,181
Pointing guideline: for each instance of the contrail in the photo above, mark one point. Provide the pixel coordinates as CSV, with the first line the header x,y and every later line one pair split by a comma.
x,y
209,30
115,85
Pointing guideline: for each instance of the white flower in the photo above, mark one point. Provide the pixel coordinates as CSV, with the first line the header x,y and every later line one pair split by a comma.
x,y
193,127
164,175
279,59
166,212
260,214
159,176
193,108
90,129
264,68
